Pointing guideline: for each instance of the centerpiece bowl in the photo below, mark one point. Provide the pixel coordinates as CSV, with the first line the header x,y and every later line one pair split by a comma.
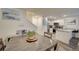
x,y
31,37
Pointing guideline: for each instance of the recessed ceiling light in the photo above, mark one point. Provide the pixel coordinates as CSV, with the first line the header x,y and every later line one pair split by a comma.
x,y
64,15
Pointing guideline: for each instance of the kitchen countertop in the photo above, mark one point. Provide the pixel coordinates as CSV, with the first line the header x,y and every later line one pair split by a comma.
x,y
20,44
68,31
65,30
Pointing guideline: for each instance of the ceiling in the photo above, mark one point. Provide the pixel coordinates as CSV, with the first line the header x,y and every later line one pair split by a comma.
x,y
56,12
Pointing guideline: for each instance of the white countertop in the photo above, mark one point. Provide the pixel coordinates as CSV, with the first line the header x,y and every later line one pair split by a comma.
x,y
65,30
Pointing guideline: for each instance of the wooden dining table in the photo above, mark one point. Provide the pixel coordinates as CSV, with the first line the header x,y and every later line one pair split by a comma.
x,y
19,43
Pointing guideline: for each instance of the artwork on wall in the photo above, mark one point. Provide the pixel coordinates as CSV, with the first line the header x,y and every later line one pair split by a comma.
x,y
10,14
71,21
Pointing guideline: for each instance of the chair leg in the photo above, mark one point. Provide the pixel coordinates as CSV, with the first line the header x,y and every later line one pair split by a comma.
x,y
9,39
55,47
2,49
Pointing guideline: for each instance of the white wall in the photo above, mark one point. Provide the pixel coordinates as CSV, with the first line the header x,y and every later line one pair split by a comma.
x,y
78,22
38,21
9,27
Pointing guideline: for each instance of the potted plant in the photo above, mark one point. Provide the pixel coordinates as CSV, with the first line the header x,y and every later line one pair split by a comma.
x,y
31,35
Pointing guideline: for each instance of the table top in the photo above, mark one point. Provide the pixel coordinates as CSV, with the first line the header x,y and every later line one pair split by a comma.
x,y
20,44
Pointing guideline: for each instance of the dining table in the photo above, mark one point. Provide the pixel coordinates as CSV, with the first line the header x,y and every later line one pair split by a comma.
x,y
19,43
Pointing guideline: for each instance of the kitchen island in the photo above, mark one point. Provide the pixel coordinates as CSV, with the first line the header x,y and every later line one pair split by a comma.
x,y
63,35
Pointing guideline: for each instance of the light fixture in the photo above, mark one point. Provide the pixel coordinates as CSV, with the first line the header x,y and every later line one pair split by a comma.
x,y
64,15
51,17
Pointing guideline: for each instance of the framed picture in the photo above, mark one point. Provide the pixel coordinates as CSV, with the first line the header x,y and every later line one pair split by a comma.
x,y
71,21
10,14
